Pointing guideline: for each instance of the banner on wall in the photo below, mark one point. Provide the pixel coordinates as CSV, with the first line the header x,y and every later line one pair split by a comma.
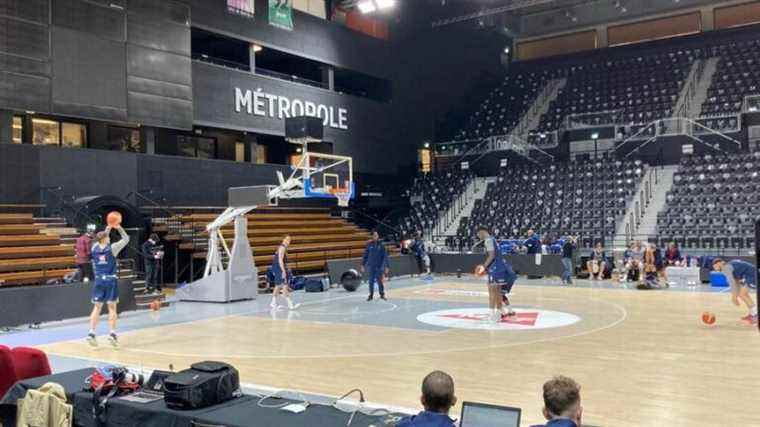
x,y
281,14
241,7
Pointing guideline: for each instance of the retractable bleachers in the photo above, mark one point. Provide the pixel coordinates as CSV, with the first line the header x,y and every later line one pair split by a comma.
x,y
28,256
316,237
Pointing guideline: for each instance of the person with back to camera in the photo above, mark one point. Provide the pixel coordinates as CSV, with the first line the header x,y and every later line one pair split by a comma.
x,y
106,287
562,403
437,399
82,250
567,260
152,254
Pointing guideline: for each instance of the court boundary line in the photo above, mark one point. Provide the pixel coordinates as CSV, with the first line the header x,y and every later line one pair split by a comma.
x,y
621,309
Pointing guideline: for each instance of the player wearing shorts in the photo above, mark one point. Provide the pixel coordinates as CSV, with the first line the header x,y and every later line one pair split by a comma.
x,y
106,287
501,277
742,276
280,274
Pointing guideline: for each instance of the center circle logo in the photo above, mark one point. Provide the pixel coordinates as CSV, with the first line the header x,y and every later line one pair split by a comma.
x,y
479,318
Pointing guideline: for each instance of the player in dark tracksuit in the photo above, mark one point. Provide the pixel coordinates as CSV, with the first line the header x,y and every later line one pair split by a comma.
x,y
280,273
742,276
420,253
375,264
106,287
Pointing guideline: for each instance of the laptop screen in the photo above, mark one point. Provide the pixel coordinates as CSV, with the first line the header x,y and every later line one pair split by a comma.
x,y
482,415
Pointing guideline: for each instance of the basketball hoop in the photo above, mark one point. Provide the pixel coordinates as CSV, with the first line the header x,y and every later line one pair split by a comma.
x,y
343,197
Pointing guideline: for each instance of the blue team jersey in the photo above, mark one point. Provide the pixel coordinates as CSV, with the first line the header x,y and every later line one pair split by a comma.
x,y
419,248
276,260
743,270
103,261
498,265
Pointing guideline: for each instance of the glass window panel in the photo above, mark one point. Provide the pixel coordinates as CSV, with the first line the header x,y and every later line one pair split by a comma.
x,y
46,132
185,146
74,135
18,126
206,148
124,139
261,154
240,151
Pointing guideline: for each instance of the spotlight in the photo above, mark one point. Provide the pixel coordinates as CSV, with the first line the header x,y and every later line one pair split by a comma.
x,y
366,6
595,135
257,48
506,50
427,145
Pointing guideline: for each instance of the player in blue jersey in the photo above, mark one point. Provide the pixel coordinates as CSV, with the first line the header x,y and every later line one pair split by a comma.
x,y
280,273
501,277
106,287
742,276
375,264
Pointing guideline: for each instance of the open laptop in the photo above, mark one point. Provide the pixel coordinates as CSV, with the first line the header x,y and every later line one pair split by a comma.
x,y
483,415
152,391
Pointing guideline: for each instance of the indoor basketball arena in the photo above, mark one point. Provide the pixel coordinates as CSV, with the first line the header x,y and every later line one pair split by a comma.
x,y
365,213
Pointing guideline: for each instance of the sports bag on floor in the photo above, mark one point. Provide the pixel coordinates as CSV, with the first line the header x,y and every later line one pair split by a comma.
x,y
204,384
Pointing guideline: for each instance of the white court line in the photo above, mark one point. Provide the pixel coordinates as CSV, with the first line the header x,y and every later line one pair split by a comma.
x,y
622,310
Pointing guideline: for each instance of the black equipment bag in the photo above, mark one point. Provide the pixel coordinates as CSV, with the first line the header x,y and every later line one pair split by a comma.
x,y
204,384
314,285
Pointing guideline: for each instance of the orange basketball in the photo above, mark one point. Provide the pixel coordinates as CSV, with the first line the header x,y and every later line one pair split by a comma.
x,y
155,305
708,318
113,219
480,270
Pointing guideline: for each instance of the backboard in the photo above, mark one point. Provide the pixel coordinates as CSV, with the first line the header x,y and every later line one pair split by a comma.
x,y
318,175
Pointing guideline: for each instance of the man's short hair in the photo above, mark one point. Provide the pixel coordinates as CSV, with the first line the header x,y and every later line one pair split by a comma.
x,y
483,228
560,394
101,235
717,260
438,391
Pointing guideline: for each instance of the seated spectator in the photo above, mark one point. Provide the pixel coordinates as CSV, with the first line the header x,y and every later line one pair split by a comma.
x,y
598,263
636,263
673,255
437,399
562,402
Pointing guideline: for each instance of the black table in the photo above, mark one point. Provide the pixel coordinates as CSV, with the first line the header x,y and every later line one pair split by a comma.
x,y
243,411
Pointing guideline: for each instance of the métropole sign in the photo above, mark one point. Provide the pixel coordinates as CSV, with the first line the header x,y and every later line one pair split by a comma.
x,y
259,103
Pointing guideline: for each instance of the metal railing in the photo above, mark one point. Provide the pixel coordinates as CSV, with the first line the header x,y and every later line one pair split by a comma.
x,y
594,119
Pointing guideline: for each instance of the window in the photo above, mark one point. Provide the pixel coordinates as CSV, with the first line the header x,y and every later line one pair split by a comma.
x,y
74,135
240,151
196,146
46,132
261,154
18,127
124,139
425,160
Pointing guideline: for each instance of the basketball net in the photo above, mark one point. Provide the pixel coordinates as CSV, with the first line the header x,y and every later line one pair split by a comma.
x,y
343,196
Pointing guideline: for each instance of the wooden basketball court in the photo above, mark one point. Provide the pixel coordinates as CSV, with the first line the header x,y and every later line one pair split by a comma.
x,y
642,357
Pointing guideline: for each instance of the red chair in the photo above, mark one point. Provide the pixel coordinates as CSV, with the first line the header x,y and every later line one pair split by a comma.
x,y
7,370
30,363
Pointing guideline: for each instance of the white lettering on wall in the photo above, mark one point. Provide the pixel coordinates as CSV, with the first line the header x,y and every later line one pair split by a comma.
x,y
260,103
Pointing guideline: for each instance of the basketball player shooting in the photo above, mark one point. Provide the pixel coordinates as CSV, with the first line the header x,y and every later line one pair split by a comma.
x,y
501,277
106,288
741,275
280,273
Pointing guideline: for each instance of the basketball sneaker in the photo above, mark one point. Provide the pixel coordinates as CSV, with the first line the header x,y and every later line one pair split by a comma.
x,y
113,339
369,298
92,340
750,319
382,297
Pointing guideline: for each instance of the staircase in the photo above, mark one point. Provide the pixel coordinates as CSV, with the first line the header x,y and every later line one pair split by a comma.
x,y
643,224
648,223
532,118
466,210
703,84
448,218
